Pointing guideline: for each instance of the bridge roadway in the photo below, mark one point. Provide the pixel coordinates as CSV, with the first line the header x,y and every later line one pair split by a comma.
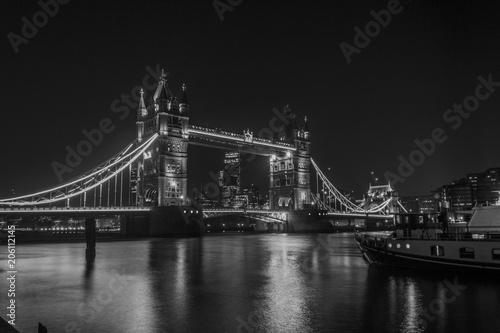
x,y
74,211
133,210
285,212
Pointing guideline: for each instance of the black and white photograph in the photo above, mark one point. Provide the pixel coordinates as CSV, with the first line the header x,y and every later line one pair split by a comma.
x,y
250,166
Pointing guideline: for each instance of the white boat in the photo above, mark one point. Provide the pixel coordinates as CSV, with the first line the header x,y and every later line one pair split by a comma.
x,y
419,241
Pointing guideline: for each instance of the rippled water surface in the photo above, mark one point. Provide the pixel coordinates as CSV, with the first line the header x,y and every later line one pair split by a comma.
x,y
240,283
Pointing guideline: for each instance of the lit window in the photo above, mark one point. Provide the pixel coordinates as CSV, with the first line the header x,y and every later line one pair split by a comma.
x,y
495,254
437,250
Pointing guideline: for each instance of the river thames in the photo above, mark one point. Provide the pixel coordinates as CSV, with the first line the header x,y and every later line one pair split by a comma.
x,y
240,283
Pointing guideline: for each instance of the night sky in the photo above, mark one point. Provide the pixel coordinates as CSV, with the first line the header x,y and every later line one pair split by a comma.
x,y
263,55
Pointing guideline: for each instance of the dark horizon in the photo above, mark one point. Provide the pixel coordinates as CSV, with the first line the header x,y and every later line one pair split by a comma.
x,y
362,115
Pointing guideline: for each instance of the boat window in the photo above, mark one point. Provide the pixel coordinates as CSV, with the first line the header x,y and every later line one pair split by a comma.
x,y
437,250
496,254
467,252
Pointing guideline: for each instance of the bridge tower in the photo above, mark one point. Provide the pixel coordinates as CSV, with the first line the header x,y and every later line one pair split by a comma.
x,y
289,175
161,174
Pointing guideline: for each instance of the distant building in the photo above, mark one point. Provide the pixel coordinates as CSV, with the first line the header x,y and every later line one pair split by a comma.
x,y
229,178
419,204
484,186
476,189
252,196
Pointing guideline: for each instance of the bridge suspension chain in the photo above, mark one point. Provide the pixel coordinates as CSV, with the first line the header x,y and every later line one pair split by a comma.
x,y
86,182
340,198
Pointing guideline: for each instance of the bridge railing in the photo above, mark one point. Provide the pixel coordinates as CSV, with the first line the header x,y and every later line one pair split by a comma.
x,y
51,209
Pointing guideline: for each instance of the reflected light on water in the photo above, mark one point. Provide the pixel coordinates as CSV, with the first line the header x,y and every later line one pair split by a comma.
x,y
180,295
284,307
261,283
412,306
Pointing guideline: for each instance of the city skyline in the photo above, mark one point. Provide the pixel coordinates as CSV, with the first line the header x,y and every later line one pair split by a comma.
x,y
365,107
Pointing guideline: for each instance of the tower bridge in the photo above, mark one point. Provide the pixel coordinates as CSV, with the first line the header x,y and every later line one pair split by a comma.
x,y
149,177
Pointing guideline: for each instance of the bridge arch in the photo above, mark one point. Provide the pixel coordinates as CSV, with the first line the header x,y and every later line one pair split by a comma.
x,y
285,201
150,194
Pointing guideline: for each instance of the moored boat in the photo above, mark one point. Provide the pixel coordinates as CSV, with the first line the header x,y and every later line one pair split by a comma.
x,y
422,241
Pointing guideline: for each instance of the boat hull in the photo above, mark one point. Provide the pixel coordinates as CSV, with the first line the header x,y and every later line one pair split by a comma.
x,y
384,256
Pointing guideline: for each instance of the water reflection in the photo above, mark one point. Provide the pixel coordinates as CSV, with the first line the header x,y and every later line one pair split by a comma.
x,y
396,302
285,305
88,275
264,283
412,307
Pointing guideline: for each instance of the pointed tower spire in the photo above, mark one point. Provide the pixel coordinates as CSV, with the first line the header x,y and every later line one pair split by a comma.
x,y
306,129
162,90
183,104
184,97
142,111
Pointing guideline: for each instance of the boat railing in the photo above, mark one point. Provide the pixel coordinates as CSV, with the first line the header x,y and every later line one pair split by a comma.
x,y
456,235
380,240
469,236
